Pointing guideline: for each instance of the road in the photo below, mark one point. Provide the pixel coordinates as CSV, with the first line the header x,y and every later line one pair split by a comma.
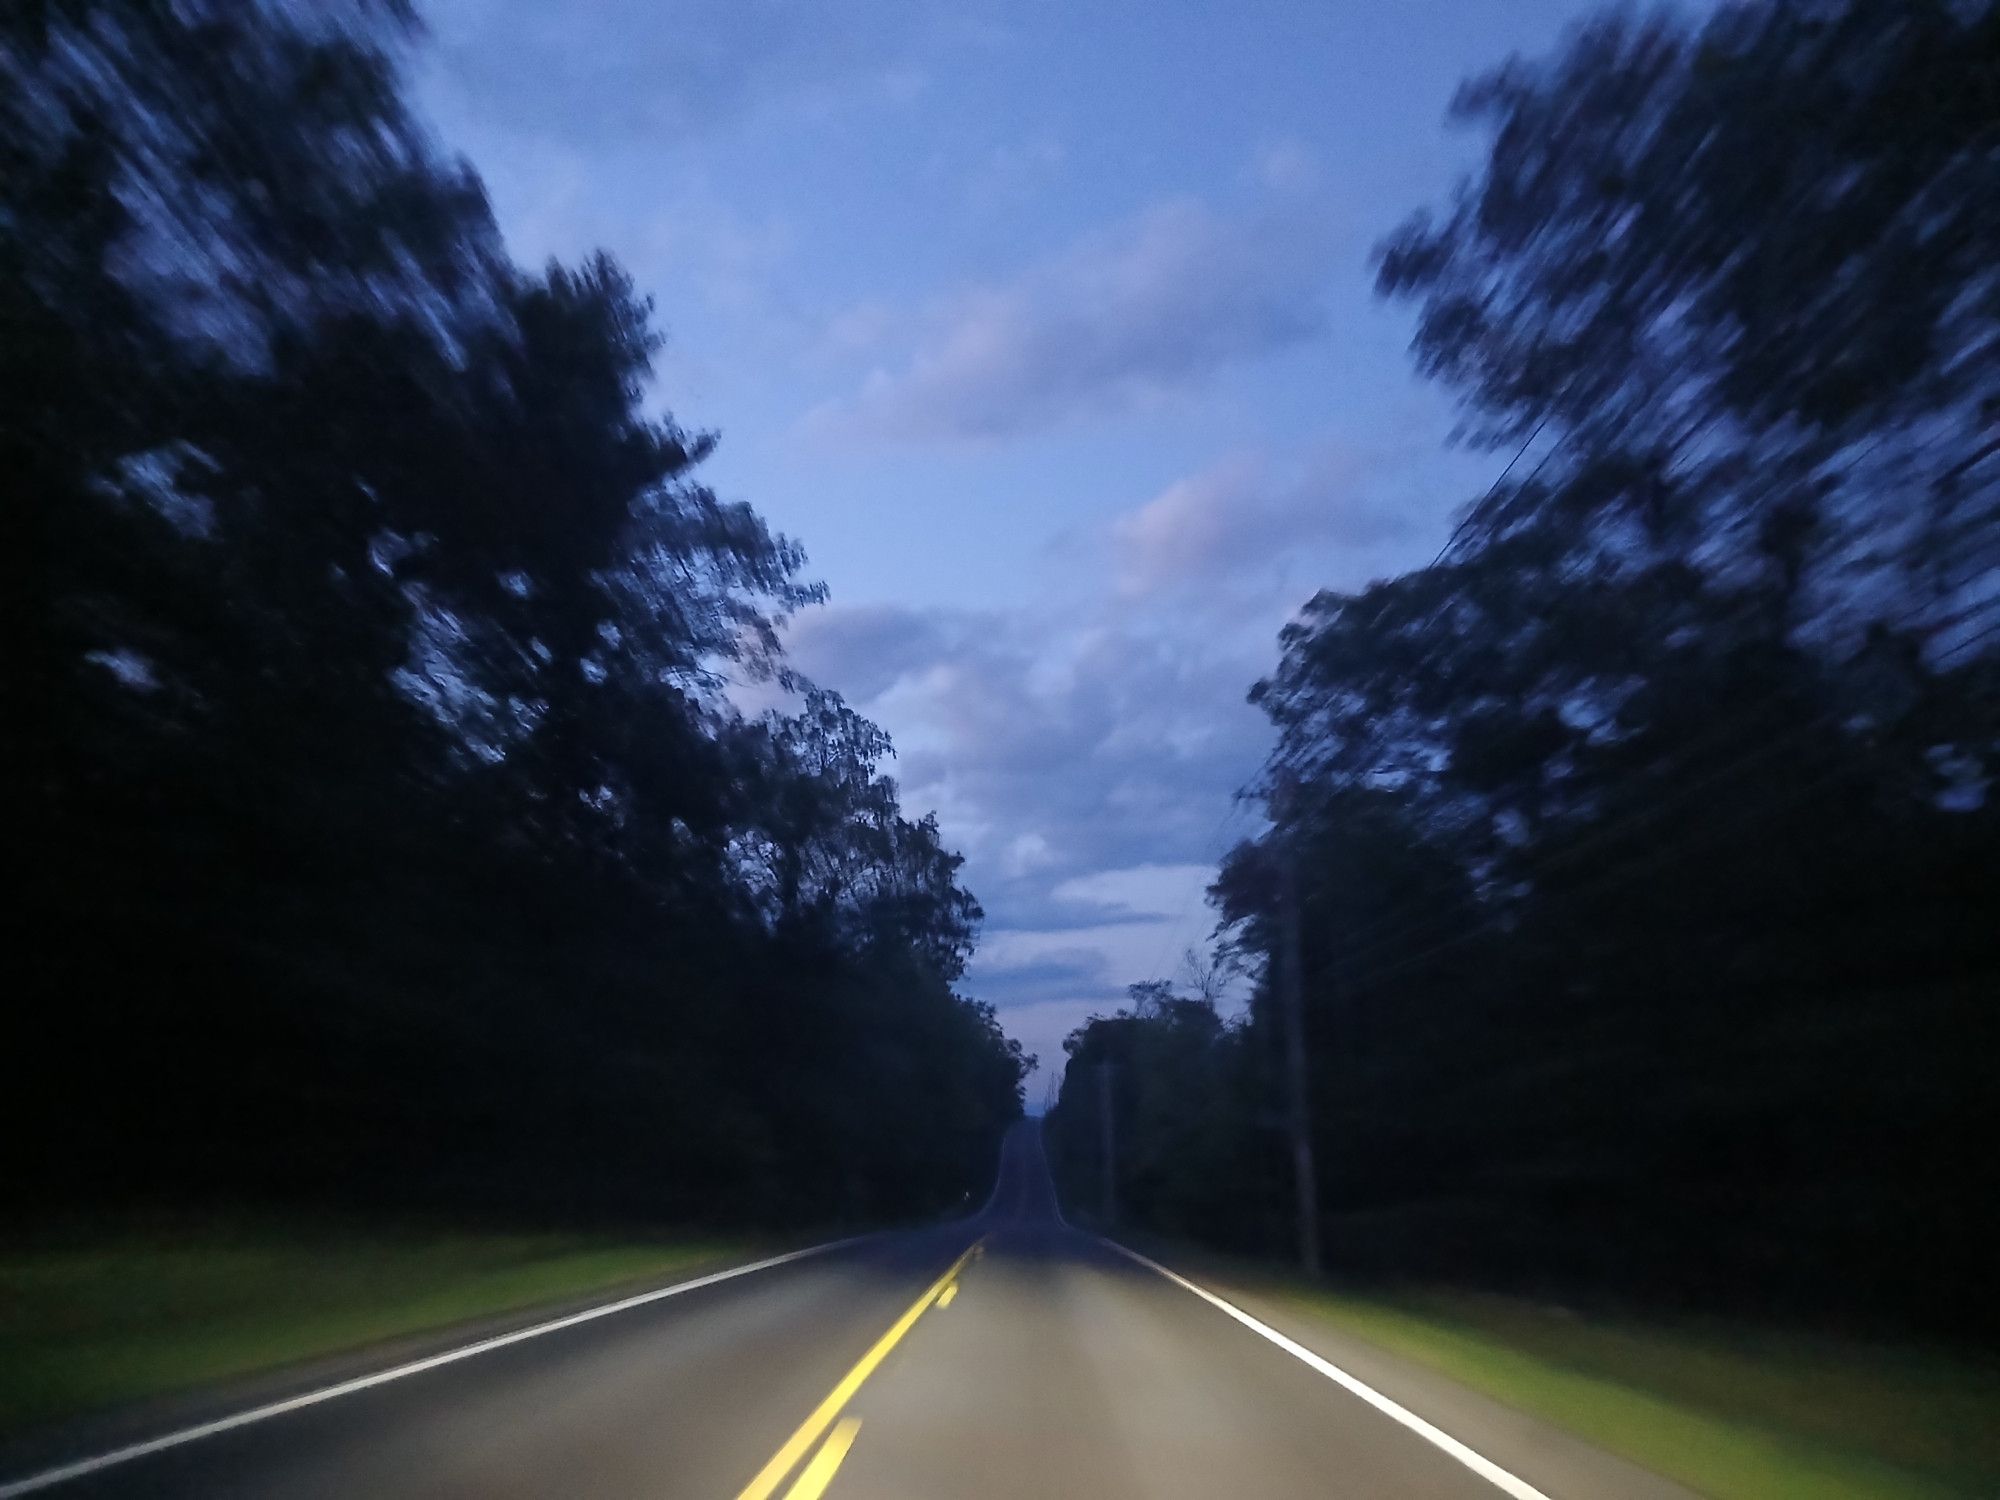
x,y
1005,1355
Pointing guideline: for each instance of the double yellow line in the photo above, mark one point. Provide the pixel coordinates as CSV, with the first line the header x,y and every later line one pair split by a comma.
x,y
820,1471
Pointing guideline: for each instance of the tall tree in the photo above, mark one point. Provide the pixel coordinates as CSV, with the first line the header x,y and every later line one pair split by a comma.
x,y
1645,840
367,661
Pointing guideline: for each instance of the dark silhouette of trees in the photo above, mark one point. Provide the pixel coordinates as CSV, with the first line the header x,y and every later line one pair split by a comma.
x,y
388,836
1647,841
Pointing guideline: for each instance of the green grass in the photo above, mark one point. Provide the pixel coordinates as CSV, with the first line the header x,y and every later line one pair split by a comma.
x,y
96,1322
1732,1415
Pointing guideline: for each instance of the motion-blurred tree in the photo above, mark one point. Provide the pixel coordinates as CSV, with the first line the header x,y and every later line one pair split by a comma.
x,y
369,638
1646,842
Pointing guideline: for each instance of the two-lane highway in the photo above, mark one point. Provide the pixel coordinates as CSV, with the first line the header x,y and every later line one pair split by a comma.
x,y
1006,1355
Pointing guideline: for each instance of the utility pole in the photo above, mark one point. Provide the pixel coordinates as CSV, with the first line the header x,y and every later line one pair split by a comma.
x,y
1110,1145
1292,1001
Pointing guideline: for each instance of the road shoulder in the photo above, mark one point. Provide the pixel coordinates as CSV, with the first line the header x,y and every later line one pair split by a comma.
x,y
143,1420
1557,1425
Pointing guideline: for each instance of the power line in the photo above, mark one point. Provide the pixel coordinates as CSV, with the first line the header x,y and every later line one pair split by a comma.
x,y
1473,510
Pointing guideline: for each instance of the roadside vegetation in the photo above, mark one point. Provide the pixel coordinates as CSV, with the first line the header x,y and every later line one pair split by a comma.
x,y
1634,865
402,834
1730,1408
1731,1413
1630,870
90,1323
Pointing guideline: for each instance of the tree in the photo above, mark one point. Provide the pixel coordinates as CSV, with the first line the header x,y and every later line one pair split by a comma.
x,y
1643,840
395,839
1741,275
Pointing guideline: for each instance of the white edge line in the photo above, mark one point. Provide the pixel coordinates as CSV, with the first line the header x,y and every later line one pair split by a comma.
x,y
62,1473
1484,1467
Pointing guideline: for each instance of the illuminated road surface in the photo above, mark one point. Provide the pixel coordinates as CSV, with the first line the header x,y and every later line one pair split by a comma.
x,y
1008,1355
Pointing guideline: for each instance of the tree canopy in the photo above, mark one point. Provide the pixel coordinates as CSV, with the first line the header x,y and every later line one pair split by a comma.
x,y
395,837
1646,842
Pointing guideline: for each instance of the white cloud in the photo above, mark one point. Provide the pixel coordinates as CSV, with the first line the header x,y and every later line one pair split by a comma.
x,y
1083,748
1084,751
1242,515
1085,767
863,650
1190,526
1132,315
1026,854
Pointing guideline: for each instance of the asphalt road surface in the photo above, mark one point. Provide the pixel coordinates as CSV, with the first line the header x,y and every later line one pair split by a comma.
x,y
1005,1355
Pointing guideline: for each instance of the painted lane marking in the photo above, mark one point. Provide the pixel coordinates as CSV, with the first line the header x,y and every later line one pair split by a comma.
x,y
772,1474
1485,1468
945,1297
61,1473
818,1474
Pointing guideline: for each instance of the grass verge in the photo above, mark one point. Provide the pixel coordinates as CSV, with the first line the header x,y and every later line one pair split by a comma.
x,y
1735,1415
92,1324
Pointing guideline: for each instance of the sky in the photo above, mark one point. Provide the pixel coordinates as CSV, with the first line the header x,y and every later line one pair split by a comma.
x,y
1049,329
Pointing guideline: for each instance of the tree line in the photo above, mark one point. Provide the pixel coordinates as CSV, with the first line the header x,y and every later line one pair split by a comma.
x,y
389,836
1645,845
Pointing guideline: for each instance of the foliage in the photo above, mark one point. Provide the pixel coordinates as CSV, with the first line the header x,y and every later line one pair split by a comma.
x,y
101,1317
395,837
1645,842
1731,1413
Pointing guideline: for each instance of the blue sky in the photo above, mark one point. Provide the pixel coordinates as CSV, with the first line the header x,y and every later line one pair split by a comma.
x,y
1048,328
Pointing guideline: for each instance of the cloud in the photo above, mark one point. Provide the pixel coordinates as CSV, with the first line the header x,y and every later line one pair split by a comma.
x,y
1082,765
1061,748
1028,905
591,71
1084,750
1064,974
1287,166
861,651
1116,748
1125,317
1241,514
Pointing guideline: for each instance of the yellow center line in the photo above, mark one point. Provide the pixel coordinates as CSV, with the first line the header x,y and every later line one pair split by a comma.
x,y
944,1297
818,1474
773,1473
